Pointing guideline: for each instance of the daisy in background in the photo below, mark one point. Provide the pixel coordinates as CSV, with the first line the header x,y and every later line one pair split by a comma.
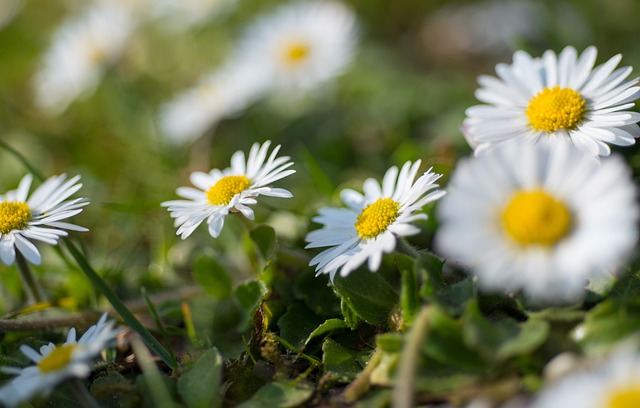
x,y
81,50
231,190
57,363
223,94
302,44
558,99
369,227
613,383
543,220
39,216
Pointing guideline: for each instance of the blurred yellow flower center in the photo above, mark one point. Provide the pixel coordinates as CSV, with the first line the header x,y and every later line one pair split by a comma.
x,y
13,215
535,218
223,191
376,217
556,108
625,398
59,358
296,52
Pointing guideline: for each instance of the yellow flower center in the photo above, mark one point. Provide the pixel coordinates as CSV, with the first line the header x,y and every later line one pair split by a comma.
x,y
226,188
14,215
295,52
625,398
59,358
556,108
376,217
535,218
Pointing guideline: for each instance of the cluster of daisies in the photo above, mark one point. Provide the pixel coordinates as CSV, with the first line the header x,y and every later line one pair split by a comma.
x,y
541,208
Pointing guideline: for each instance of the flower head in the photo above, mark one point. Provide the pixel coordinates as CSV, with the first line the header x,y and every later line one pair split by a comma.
x,y
543,220
56,363
233,189
369,226
559,99
37,217
302,44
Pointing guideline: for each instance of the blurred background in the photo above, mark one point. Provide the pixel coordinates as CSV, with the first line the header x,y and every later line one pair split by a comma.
x,y
401,96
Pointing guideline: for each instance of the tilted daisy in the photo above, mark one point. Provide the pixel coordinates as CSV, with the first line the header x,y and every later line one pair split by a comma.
x,y
302,44
543,220
369,227
38,216
613,383
81,50
56,363
558,99
231,190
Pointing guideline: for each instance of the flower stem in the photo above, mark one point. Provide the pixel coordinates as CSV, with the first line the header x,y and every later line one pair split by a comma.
x,y
82,394
406,248
29,283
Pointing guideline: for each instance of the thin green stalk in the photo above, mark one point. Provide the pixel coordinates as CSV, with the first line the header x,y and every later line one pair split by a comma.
x,y
404,247
22,159
156,318
29,282
82,394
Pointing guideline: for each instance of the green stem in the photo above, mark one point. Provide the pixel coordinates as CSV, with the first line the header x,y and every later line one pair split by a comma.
x,y
29,283
82,394
404,388
22,159
405,248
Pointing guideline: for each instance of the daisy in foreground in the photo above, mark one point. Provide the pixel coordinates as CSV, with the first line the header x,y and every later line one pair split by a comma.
x,y
231,190
369,227
24,218
55,364
556,98
543,219
613,384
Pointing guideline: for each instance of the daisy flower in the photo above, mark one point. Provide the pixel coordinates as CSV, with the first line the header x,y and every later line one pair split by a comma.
x,y
614,383
302,44
231,190
556,98
81,49
368,228
223,94
544,220
56,363
38,216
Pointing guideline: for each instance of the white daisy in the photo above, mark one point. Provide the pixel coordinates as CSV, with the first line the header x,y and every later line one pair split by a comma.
x,y
543,219
614,383
556,98
302,44
231,190
224,93
38,216
368,228
81,50
54,364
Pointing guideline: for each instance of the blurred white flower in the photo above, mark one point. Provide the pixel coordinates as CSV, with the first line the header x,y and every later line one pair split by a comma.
x,y
54,364
559,99
542,219
81,50
302,44
183,14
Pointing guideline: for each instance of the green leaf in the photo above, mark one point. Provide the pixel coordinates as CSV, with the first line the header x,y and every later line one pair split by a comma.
x,y
250,294
350,317
265,239
409,299
316,293
390,342
285,394
369,295
608,323
199,386
340,362
326,327
502,339
212,277
297,324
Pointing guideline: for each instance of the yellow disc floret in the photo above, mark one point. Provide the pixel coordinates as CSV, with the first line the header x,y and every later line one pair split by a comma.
x,y
14,215
625,398
59,358
226,188
376,218
295,52
556,108
534,217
